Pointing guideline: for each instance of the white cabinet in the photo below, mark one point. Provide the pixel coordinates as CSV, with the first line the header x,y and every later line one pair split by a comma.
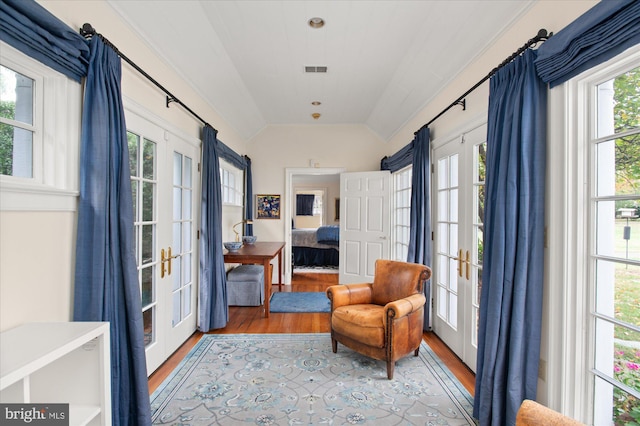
x,y
59,363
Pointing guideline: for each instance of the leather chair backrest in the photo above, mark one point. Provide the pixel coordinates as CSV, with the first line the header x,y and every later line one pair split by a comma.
x,y
394,280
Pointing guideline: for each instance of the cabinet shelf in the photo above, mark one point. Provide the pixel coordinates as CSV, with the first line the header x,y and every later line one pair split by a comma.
x,y
46,363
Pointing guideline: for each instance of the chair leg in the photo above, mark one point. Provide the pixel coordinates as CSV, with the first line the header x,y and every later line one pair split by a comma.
x,y
334,345
416,351
390,367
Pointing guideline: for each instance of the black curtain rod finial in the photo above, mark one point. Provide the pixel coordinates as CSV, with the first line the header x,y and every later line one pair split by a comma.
x,y
87,30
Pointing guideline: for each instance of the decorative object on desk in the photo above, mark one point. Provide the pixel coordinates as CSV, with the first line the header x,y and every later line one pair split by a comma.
x,y
249,239
282,379
302,301
233,228
267,206
232,245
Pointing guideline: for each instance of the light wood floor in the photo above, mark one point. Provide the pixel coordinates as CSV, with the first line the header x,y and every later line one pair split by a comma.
x,y
250,320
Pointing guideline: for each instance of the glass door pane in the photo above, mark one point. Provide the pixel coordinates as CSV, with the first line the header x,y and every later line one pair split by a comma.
x,y
142,165
182,241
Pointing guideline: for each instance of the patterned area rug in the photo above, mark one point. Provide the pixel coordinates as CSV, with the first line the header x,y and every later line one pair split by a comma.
x,y
287,379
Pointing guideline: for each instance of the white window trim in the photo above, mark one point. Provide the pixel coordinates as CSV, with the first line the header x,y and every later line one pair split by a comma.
x,y
394,207
238,183
58,112
567,295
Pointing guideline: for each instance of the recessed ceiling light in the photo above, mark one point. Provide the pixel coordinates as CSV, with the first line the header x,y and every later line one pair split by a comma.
x,y
315,115
316,22
316,103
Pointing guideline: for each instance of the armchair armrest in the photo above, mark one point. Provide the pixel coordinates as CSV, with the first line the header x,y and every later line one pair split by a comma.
x,y
349,294
403,307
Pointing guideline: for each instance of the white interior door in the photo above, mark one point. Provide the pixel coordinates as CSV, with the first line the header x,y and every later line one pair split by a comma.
x,y
164,180
365,226
459,171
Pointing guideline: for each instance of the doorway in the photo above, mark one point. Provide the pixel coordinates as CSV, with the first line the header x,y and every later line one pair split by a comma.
x,y
324,179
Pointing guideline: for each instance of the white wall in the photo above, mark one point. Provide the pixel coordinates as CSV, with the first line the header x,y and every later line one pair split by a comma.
x,y
36,267
276,148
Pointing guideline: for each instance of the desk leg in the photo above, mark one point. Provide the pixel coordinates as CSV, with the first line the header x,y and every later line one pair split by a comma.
x,y
280,270
267,286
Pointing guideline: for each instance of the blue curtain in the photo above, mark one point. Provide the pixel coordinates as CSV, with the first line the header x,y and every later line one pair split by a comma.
x,y
420,224
420,238
304,204
106,278
417,154
213,308
607,29
512,277
248,197
31,29
399,160
242,163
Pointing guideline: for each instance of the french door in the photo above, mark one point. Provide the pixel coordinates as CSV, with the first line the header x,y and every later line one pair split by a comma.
x,y
459,173
164,182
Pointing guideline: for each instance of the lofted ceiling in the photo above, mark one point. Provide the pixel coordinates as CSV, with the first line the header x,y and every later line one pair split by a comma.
x,y
385,59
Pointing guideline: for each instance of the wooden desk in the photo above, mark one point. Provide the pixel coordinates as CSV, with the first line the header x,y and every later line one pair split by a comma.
x,y
260,253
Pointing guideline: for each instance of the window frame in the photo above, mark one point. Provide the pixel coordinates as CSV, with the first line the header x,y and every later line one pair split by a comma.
x,y
237,188
56,141
569,275
398,237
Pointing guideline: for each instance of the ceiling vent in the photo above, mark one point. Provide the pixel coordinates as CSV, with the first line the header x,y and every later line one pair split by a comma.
x,y
315,69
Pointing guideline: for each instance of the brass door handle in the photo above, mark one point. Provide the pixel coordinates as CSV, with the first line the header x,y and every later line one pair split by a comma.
x,y
468,269
164,258
467,261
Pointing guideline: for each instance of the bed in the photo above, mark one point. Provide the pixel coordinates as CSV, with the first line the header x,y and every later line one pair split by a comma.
x,y
316,247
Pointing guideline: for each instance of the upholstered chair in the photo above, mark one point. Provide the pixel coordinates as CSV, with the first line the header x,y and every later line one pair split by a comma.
x,y
533,414
382,320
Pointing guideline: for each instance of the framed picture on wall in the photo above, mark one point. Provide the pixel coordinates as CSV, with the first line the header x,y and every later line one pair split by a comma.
x,y
337,209
267,206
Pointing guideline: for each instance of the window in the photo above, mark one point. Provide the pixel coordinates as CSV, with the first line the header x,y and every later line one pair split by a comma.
x,y
614,259
594,282
40,113
317,205
17,125
232,182
402,213
313,199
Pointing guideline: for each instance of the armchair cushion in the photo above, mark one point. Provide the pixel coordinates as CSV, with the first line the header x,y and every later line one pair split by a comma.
x,y
364,323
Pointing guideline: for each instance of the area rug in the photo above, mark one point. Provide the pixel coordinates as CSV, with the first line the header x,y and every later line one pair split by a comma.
x,y
287,379
315,269
299,302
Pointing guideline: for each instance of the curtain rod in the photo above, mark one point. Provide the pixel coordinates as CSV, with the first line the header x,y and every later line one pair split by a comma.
x,y
541,36
88,31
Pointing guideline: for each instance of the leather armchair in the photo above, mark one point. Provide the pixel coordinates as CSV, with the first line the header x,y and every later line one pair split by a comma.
x,y
384,319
